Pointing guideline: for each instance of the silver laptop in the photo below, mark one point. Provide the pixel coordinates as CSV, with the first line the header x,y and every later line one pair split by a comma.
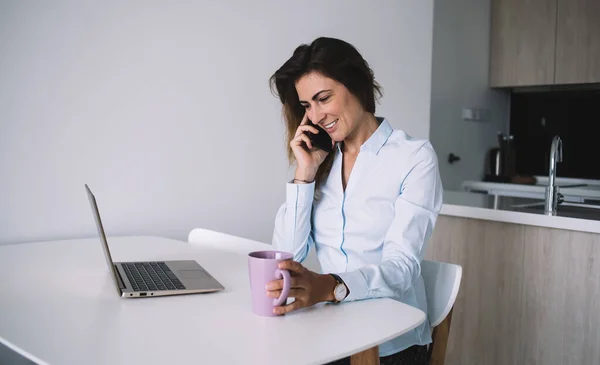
x,y
156,278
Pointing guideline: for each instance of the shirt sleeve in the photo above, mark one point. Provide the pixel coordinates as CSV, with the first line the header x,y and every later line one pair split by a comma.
x,y
293,221
416,210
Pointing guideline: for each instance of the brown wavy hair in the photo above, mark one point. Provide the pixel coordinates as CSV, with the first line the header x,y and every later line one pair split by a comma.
x,y
333,58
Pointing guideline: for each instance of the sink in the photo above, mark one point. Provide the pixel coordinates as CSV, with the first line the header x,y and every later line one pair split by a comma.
x,y
573,185
565,209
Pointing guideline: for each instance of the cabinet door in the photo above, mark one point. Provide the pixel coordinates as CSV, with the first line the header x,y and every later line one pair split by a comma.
x,y
523,35
578,41
485,323
528,295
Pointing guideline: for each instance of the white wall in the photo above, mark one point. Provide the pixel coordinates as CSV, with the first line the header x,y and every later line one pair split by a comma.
x,y
164,109
460,79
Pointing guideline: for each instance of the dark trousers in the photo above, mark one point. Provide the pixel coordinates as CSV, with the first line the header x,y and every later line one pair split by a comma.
x,y
414,355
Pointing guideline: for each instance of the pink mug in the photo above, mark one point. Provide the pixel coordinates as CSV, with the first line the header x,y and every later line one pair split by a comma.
x,y
263,267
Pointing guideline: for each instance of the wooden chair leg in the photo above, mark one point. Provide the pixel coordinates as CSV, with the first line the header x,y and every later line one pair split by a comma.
x,y
440,341
367,357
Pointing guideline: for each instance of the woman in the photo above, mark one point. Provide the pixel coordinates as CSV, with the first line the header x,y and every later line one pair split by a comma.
x,y
368,207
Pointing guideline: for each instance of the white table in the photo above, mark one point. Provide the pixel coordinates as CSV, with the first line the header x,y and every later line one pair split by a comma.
x,y
58,305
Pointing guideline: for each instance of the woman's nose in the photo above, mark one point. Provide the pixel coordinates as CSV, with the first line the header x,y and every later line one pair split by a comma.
x,y
316,115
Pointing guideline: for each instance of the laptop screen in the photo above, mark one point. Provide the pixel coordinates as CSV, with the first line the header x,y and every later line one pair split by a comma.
x,y
109,260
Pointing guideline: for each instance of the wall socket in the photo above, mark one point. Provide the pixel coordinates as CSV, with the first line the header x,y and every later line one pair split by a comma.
x,y
474,114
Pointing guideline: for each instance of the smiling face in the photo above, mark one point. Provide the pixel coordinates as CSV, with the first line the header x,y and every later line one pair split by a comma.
x,y
330,104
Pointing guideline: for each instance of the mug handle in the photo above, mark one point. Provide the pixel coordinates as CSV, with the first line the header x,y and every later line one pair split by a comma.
x,y
286,287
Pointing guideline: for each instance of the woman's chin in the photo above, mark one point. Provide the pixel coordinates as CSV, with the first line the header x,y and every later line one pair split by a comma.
x,y
336,137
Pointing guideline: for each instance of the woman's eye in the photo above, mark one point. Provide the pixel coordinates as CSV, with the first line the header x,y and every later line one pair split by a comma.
x,y
324,99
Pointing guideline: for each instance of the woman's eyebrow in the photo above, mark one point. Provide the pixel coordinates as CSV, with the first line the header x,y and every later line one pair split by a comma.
x,y
316,96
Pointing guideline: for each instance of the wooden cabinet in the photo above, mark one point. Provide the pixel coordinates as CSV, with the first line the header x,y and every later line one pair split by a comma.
x,y
544,42
529,295
578,41
523,38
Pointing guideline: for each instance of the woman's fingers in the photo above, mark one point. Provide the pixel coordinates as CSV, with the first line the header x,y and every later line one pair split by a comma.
x,y
297,304
304,119
306,128
301,138
294,293
295,282
293,266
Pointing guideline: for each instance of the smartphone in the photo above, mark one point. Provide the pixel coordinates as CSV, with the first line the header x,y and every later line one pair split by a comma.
x,y
321,139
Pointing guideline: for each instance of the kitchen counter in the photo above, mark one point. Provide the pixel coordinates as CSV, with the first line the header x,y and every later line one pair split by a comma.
x,y
518,210
529,291
574,190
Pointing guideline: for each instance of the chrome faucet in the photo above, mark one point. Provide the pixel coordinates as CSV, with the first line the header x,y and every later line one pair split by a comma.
x,y
553,197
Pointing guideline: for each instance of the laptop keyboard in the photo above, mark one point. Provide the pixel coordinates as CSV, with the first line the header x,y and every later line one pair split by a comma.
x,y
149,276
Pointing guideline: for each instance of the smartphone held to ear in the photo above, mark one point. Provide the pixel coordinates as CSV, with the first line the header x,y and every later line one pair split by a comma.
x,y
321,139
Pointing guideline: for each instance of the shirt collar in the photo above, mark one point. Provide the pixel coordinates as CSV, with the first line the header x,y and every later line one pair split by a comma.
x,y
378,138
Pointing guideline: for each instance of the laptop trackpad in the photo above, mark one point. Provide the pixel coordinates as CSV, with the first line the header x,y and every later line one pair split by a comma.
x,y
190,274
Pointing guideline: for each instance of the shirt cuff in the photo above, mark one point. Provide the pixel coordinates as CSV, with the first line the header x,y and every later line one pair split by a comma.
x,y
356,284
300,195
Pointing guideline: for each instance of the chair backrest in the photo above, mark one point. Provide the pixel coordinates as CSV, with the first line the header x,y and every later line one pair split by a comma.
x,y
442,281
202,235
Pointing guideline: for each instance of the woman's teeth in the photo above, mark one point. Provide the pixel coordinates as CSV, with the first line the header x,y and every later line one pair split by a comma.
x,y
328,126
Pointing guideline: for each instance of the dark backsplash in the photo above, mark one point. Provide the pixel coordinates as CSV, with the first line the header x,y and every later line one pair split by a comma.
x,y
536,117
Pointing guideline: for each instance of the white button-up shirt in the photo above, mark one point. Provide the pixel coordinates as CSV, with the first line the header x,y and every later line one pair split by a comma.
x,y
373,234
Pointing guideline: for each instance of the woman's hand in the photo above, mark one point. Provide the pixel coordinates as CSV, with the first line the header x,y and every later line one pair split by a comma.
x,y
307,287
309,158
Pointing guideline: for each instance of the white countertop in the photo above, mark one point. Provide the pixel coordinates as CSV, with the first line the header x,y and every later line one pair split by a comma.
x,y
501,209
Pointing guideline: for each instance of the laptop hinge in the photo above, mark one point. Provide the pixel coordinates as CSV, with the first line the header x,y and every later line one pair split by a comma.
x,y
119,278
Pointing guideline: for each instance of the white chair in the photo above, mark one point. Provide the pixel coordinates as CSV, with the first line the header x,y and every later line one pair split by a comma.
x,y
203,236
223,241
442,281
